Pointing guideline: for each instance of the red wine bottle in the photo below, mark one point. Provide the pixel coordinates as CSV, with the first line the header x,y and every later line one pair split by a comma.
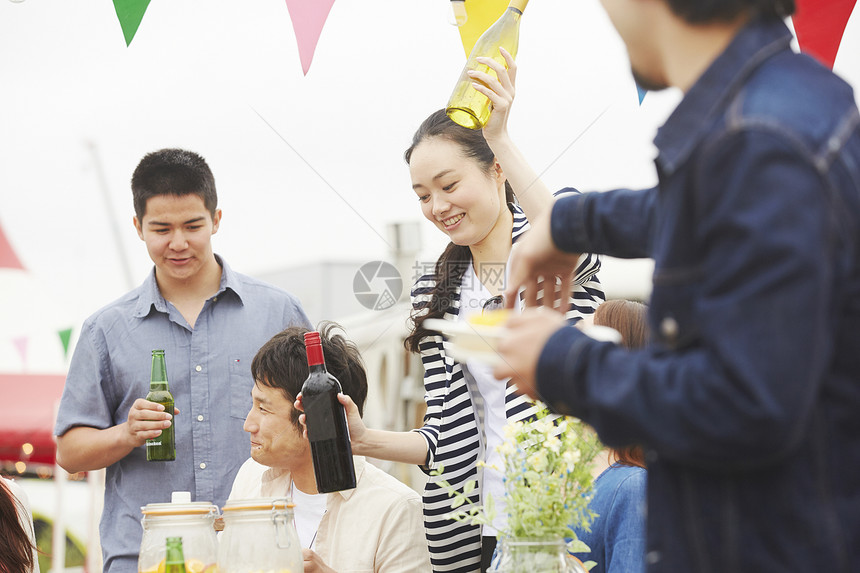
x,y
325,417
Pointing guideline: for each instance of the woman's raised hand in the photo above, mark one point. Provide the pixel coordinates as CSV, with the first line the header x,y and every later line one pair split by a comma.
x,y
500,89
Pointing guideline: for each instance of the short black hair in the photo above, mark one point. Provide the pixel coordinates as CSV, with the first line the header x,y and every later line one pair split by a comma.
x,y
282,363
702,11
172,172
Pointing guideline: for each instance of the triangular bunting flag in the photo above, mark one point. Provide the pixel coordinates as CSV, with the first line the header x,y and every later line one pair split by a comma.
x,y
65,337
308,18
641,93
21,344
8,258
819,25
480,15
130,14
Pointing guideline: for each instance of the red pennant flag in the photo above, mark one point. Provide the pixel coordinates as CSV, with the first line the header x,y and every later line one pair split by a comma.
x,y
8,258
308,18
819,25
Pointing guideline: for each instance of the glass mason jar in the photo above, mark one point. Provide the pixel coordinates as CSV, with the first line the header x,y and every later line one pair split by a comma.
x,y
259,536
525,555
194,522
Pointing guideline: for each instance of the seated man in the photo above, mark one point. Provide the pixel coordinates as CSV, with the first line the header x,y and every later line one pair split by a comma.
x,y
378,526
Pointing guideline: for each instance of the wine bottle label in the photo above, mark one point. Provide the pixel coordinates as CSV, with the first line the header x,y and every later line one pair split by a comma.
x,y
319,413
152,444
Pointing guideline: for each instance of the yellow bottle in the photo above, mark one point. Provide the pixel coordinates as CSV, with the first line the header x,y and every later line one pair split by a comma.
x,y
467,106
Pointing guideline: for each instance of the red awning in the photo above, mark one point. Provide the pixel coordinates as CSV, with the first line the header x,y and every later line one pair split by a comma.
x,y
27,404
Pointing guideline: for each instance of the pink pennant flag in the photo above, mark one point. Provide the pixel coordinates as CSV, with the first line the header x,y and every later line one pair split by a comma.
x,y
8,258
21,344
308,18
819,25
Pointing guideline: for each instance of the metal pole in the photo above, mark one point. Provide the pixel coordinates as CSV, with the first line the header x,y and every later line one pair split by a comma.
x,y
112,219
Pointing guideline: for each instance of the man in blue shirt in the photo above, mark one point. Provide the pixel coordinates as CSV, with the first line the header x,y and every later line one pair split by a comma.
x,y
209,320
747,397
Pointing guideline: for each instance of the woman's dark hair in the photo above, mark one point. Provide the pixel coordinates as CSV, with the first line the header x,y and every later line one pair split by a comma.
x,y
16,548
702,11
455,259
629,318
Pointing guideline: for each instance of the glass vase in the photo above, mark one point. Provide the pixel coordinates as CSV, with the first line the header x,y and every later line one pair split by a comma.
x,y
525,555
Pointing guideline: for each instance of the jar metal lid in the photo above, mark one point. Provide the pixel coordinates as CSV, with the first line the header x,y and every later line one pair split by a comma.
x,y
260,503
192,508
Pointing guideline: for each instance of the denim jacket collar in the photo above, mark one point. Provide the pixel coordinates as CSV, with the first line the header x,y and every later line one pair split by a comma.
x,y
689,123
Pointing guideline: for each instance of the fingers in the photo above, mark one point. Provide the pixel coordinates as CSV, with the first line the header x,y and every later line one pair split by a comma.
x,y
565,292
346,402
498,86
512,65
304,423
147,420
519,277
146,411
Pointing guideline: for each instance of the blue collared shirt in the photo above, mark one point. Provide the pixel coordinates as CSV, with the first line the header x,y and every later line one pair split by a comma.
x,y
209,373
748,395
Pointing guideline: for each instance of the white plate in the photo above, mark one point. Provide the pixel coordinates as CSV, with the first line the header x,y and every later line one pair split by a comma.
x,y
469,341
478,342
463,356
604,333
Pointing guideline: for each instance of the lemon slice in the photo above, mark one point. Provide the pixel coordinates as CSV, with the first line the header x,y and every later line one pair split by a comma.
x,y
490,318
194,566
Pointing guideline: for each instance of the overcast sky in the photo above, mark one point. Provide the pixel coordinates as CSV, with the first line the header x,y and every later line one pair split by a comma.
x,y
308,168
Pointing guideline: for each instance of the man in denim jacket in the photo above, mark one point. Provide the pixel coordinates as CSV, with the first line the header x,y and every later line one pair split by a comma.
x,y
748,397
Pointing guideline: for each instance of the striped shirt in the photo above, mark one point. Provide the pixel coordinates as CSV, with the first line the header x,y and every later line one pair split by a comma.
x,y
453,424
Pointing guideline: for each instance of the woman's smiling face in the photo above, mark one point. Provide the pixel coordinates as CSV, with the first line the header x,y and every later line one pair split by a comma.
x,y
455,192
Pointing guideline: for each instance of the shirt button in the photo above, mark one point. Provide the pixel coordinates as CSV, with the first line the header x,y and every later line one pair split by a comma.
x,y
200,418
669,328
198,368
214,299
653,557
203,466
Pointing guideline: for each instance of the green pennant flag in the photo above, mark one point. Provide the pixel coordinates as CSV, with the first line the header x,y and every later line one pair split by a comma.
x,y
130,14
65,337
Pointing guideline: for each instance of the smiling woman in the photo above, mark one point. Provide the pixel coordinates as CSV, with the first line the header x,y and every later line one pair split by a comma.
x,y
464,191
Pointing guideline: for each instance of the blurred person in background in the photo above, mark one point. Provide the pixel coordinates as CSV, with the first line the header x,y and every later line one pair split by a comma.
x,y
616,537
18,552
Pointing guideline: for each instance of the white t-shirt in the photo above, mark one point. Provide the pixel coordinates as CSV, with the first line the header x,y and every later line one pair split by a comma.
x,y
473,295
308,513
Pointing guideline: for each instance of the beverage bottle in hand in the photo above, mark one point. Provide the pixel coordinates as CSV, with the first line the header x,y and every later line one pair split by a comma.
x,y
325,418
163,447
467,106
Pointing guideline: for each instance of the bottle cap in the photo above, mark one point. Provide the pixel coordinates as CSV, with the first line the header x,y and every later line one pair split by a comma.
x,y
313,347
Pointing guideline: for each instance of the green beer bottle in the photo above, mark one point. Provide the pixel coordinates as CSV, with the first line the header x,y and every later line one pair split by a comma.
x,y
175,561
162,448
